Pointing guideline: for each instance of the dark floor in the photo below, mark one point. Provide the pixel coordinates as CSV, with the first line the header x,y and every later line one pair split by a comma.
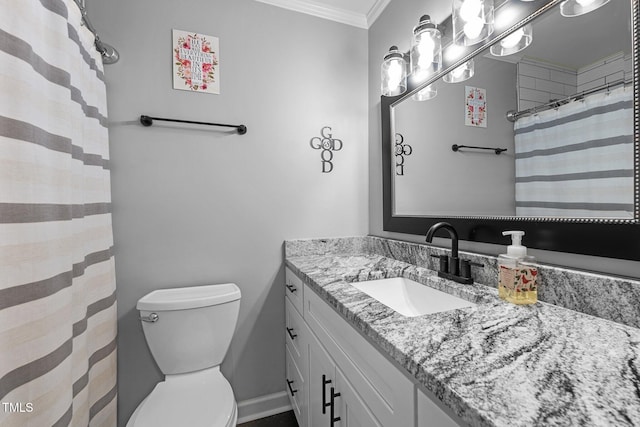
x,y
285,419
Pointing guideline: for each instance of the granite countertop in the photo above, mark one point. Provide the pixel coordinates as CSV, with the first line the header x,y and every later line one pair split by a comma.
x,y
495,364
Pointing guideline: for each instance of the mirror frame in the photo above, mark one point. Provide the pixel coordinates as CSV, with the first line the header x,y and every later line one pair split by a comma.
x,y
604,237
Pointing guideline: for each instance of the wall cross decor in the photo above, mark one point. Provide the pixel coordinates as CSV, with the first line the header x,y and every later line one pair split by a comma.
x,y
402,150
328,144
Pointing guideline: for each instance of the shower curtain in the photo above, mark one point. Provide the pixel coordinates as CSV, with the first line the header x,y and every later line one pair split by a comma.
x,y
57,281
577,160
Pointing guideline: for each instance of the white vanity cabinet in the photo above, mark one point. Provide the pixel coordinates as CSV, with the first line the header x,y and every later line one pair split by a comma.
x,y
332,399
336,378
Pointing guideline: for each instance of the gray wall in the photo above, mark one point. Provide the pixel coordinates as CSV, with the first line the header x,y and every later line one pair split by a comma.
x,y
194,206
394,27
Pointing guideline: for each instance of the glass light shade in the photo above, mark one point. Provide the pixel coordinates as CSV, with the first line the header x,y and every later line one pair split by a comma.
x,y
429,92
570,8
426,49
393,73
472,21
514,42
461,73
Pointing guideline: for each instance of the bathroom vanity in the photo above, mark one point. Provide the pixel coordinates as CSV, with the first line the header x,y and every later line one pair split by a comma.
x,y
336,377
351,360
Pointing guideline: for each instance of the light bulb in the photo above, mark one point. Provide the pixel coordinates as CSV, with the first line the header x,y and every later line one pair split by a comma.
x,y
473,27
426,49
584,3
470,9
453,52
395,75
512,39
426,54
473,21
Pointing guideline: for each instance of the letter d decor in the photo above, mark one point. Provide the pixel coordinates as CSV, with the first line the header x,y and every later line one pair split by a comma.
x,y
328,145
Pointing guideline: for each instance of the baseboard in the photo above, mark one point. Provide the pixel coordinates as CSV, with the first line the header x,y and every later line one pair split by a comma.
x,y
263,406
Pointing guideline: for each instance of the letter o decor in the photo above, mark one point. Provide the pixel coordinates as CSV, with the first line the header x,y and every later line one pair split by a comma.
x,y
328,144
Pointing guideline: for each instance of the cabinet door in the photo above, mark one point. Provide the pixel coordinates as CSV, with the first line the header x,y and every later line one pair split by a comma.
x,y
321,378
296,388
330,394
350,408
388,392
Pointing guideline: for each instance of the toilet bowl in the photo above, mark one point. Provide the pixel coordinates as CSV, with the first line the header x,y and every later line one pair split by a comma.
x,y
188,331
201,399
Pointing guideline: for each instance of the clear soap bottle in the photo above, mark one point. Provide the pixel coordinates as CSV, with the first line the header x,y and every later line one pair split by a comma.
x,y
517,272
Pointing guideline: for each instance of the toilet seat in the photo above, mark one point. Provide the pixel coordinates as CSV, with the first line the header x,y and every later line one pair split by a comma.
x,y
196,399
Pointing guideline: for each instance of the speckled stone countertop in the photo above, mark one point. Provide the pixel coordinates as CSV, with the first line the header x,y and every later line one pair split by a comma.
x,y
495,364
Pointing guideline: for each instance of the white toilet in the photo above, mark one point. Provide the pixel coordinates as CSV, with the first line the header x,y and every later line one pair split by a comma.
x,y
188,331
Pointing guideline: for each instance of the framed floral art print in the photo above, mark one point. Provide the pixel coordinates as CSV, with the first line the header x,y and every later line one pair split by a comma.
x,y
475,107
196,62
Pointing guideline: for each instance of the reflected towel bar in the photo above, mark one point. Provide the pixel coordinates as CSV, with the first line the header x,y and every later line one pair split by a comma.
x,y
456,147
148,121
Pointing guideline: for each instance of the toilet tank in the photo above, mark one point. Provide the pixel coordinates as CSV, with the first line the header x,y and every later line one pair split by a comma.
x,y
193,326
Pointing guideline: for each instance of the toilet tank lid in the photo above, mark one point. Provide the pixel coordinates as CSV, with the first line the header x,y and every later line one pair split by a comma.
x,y
189,297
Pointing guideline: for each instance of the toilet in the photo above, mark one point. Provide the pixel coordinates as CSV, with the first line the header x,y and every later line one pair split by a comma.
x,y
188,331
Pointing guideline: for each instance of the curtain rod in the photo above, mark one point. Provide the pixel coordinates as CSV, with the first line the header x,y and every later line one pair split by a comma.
x,y
513,115
109,54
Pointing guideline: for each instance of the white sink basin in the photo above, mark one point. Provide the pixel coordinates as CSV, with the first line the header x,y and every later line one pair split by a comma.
x,y
409,297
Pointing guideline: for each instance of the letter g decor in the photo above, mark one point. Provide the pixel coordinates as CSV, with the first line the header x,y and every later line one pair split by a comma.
x,y
328,145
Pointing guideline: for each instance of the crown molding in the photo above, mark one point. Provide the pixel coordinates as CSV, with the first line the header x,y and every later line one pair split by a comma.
x,y
343,16
375,11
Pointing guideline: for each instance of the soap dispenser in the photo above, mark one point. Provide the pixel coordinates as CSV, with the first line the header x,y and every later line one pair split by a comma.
x,y
517,272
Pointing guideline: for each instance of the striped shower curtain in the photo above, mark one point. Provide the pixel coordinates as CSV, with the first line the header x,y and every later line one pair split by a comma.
x,y
577,160
57,282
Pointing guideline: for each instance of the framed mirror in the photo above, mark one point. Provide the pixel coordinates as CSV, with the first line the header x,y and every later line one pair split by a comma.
x,y
543,140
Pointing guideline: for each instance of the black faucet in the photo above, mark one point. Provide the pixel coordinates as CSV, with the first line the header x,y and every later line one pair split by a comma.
x,y
450,268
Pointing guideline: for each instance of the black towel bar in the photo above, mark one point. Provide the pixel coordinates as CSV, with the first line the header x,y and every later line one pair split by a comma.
x,y
148,121
456,147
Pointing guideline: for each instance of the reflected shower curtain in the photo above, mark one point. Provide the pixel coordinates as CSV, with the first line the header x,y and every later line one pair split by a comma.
x,y
577,160
57,282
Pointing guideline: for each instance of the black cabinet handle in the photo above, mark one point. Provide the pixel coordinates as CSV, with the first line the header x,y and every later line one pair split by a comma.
x,y
325,381
289,382
291,288
291,334
333,406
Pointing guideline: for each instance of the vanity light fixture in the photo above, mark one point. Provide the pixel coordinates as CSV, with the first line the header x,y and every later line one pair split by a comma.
x,y
472,21
426,49
571,8
428,92
461,73
514,42
394,73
